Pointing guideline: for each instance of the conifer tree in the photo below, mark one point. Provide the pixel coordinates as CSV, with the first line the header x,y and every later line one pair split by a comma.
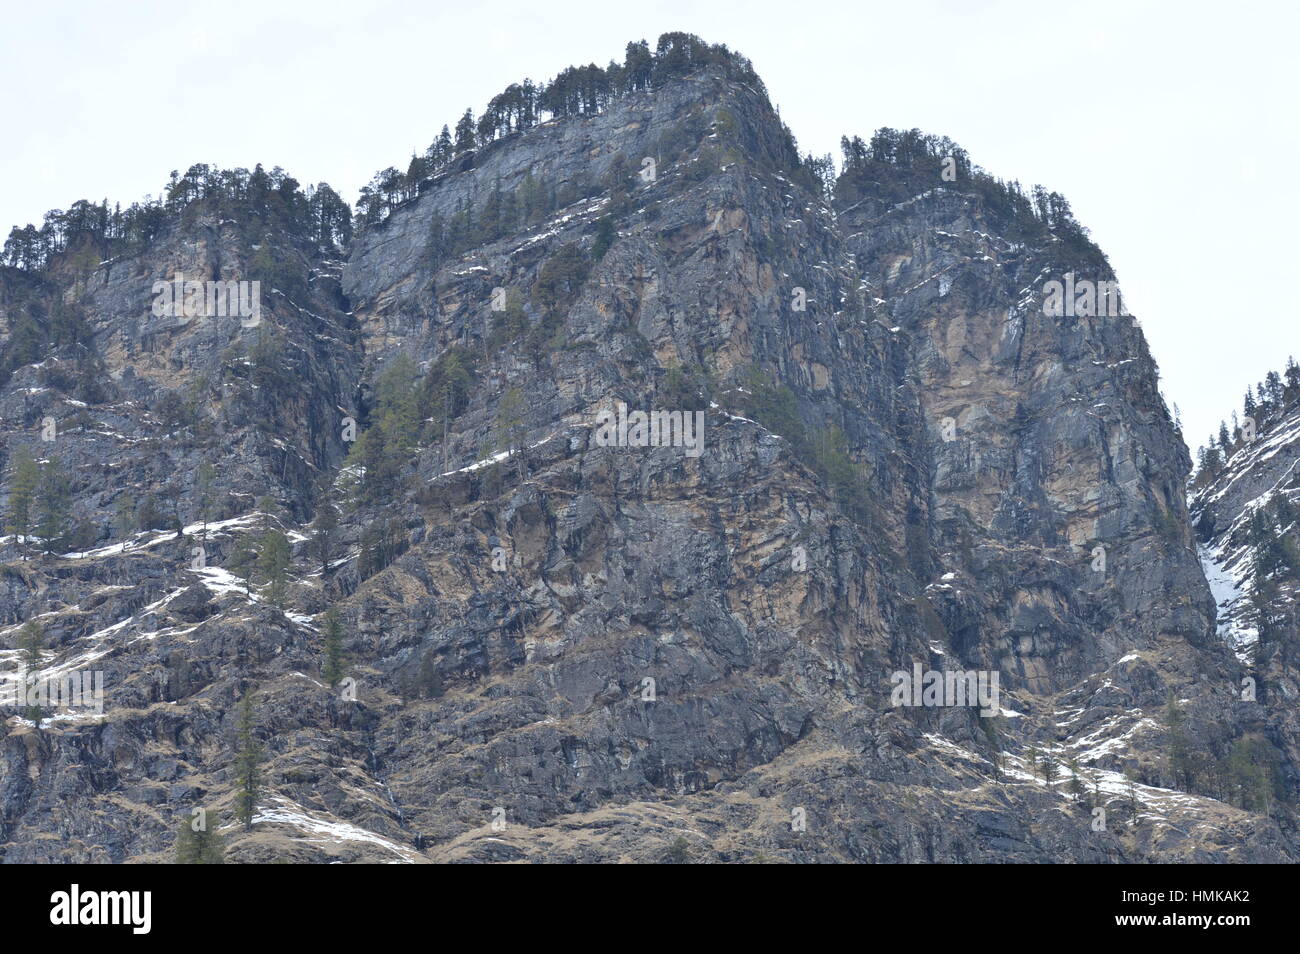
x,y
1076,783
204,482
243,561
248,755
124,517
1178,745
31,646
199,846
1132,793
19,512
53,502
465,132
606,233
510,426
273,558
148,515
324,527
1048,764
31,643
333,666
442,146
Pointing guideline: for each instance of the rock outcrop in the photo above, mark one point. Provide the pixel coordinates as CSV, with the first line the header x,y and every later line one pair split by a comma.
x,y
563,650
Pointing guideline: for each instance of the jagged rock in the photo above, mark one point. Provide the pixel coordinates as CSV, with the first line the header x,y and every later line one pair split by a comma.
x,y
581,652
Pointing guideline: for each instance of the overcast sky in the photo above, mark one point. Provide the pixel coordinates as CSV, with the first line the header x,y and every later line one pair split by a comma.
x,y
1173,129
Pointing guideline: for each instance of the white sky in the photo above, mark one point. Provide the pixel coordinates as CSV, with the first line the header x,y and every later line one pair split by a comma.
x,y
1173,129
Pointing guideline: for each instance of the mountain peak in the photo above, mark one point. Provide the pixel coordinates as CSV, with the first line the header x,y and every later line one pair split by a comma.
x,y
608,479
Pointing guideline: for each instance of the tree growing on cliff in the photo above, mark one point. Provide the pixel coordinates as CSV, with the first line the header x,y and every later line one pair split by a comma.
x,y
606,234
324,528
124,516
31,648
205,479
1250,770
1047,763
197,843
442,149
274,554
248,756
444,393
1182,762
242,561
31,644
1076,780
465,132
333,665
510,427
23,478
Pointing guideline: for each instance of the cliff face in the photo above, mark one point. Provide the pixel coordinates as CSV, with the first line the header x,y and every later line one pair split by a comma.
x,y
1249,542
573,651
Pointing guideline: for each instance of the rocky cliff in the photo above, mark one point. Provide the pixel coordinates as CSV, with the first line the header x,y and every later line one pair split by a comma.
x,y
563,649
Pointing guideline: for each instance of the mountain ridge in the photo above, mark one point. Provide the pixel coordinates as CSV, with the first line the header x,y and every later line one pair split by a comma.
x,y
916,467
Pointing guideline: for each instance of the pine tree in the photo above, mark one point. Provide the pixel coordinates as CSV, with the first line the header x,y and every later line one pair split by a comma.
x,y
1178,746
23,479
606,234
148,515
124,517
31,646
510,426
396,407
274,554
1250,769
1273,388
186,846
204,480
465,132
243,560
443,395
270,510
53,505
442,146
249,754
198,847
324,526
1048,765
333,668
379,462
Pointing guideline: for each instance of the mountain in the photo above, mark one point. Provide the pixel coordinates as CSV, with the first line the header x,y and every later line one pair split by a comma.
x,y
1243,509
559,643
